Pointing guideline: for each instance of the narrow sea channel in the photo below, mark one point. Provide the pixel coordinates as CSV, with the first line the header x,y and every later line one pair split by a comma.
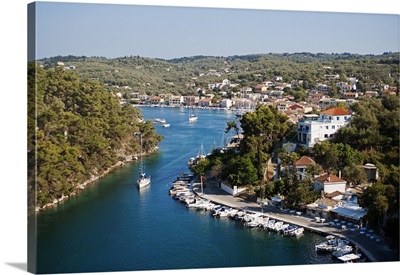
x,y
113,226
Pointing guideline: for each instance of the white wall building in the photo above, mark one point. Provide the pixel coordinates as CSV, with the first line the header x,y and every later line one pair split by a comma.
x,y
329,183
175,100
226,103
314,128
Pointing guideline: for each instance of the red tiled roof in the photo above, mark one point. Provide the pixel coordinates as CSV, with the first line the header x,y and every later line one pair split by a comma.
x,y
329,178
336,112
304,160
334,194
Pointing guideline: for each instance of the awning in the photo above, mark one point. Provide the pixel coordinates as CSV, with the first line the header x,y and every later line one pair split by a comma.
x,y
355,214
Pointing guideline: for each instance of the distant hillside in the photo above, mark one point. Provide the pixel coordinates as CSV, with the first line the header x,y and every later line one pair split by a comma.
x,y
184,75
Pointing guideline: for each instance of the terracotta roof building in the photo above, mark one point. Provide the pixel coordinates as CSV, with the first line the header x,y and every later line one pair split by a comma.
x,y
314,128
329,183
301,166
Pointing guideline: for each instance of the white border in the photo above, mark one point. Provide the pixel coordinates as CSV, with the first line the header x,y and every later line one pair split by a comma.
x,y
13,125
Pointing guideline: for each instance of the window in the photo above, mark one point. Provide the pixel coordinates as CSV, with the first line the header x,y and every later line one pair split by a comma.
x,y
345,118
337,118
327,127
333,126
326,136
330,118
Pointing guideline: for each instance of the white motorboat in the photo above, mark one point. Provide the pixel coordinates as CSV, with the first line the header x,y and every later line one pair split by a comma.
x,y
166,125
298,232
284,227
270,224
185,176
331,243
223,212
160,120
342,250
277,226
290,229
253,220
350,258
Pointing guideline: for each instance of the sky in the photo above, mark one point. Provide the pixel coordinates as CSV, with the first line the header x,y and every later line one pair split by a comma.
x,y
205,32
114,30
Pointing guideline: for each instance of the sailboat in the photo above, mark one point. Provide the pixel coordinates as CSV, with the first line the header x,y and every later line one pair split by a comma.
x,y
144,179
192,116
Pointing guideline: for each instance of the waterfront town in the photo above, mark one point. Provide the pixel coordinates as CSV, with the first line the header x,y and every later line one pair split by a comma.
x,y
316,115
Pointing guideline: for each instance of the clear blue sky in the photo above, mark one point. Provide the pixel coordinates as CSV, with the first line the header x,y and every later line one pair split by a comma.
x,y
168,32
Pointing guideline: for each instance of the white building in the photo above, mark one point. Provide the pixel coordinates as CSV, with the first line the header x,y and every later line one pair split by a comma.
x,y
329,183
314,128
226,103
175,100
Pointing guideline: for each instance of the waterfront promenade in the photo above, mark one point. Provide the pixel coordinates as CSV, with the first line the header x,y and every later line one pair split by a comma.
x,y
374,251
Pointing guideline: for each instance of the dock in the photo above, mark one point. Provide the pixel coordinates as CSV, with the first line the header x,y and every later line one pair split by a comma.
x,y
373,251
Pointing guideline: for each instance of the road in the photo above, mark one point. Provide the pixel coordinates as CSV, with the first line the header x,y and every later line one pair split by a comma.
x,y
373,250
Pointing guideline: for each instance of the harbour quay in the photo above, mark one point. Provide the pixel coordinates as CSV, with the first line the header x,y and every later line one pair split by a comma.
x,y
374,251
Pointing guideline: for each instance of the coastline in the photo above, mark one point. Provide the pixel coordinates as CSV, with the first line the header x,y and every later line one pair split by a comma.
x,y
81,186
373,251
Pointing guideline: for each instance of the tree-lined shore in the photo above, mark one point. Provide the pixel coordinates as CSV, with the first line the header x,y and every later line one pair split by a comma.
x,y
77,132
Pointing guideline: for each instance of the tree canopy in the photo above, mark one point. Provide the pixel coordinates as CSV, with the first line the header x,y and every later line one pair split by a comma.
x,y
76,131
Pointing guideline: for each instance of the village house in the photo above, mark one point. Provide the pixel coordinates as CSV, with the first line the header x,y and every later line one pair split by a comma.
x,y
369,94
144,97
323,88
205,102
315,98
314,128
190,100
371,171
175,100
349,95
276,93
242,103
246,90
301,166
329,183
226,103
156,100
331,77
260,88
344,86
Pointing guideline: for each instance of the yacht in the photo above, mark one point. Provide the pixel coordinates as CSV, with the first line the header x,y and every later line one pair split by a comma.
x,y
144,179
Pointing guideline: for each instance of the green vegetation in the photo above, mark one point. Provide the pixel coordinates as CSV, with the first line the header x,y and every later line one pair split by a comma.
x,y
76,131
181,76
82,130
374,136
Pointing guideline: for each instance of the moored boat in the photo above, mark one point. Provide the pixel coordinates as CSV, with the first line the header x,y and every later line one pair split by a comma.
x,y
185,176
298,232
342,250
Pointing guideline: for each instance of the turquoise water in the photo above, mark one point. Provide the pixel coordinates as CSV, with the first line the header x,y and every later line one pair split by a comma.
x,y
113,226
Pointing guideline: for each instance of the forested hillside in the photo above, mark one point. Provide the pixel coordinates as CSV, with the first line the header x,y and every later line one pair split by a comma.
x,y
76,132
179,76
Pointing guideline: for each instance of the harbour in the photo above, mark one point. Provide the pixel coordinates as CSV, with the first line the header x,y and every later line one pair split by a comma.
x,y
114,226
